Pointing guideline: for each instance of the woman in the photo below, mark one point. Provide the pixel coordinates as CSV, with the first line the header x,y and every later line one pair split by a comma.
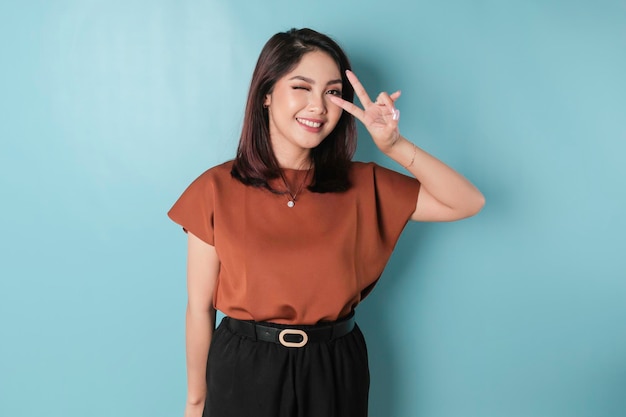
x,y
291,235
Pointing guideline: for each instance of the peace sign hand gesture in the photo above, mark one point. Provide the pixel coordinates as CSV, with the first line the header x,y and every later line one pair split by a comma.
x,y
380,117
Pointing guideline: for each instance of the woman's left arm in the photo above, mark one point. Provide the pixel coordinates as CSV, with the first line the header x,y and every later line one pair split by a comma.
x,y
445,195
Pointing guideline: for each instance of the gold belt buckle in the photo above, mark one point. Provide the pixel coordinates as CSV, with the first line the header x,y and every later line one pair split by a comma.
x,y
281,338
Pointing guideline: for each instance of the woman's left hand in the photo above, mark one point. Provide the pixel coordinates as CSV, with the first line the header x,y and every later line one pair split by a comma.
x,y
380,117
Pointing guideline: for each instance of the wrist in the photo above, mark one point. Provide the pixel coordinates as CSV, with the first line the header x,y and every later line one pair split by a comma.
x,y
404,152
410,164
388,148
195,400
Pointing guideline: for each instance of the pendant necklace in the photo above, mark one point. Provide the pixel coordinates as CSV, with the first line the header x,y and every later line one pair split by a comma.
x,y
292,200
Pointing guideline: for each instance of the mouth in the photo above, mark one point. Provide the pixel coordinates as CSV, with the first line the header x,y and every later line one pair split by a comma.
x,y
313,125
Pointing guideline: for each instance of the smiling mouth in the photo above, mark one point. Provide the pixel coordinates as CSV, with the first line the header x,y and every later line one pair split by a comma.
x,y
309,123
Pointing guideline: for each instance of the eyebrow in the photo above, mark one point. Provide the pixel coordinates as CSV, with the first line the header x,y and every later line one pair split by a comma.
x,y
310,81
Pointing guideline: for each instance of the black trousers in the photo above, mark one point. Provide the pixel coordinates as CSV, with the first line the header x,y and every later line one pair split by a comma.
x,y
250,378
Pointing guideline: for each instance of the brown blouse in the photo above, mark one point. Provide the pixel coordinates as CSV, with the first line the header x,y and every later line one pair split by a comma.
x,y
313,262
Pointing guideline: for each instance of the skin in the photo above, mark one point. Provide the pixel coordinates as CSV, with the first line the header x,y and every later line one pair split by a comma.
x,y
303,96
445,195
311,94
203,266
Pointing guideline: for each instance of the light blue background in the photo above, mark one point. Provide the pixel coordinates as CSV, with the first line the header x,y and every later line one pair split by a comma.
x,y
109,109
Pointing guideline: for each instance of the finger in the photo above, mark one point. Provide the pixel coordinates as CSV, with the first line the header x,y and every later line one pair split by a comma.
x,y
389,102
359,90
385,100
379,99
393,96
347,106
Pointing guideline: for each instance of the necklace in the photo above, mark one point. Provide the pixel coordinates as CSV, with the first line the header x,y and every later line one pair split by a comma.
x,y
292,200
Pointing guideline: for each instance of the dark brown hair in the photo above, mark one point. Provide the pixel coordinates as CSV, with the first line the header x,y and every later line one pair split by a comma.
x,y
255,163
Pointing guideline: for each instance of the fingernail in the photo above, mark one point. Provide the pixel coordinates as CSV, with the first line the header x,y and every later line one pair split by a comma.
x,y
396,114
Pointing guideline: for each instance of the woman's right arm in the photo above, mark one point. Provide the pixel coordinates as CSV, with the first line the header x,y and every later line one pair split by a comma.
x,y
203,266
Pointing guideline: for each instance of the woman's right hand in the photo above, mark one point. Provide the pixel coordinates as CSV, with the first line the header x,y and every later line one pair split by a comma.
x,y
194,410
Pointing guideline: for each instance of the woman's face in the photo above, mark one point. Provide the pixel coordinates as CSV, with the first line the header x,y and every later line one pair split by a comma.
x,y
300,113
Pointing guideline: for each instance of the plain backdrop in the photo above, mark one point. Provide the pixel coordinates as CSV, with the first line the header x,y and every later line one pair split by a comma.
x,y
109,109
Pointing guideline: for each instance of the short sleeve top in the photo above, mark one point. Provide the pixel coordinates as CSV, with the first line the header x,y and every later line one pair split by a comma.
x,y
302,265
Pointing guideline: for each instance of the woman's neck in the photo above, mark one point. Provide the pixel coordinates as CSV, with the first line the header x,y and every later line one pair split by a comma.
x,y
298,161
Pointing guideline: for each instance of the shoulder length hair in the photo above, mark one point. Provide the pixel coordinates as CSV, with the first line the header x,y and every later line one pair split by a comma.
x,y
255,163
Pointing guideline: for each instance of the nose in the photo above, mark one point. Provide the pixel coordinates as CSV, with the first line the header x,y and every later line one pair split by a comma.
x,y
317,104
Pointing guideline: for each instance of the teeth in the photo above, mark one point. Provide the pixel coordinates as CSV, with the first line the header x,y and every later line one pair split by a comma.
x,y
309,123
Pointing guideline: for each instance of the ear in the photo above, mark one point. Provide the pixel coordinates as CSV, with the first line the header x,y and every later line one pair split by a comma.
x,y
268,100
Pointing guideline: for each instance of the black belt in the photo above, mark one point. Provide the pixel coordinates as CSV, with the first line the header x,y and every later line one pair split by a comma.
x,y
288,335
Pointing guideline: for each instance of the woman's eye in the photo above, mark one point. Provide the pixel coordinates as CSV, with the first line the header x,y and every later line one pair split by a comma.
x,y
334,92
299,87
